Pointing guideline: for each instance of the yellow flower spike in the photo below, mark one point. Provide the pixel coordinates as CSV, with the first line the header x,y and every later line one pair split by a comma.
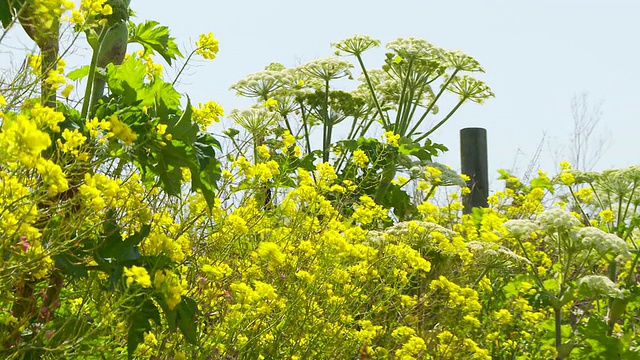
x,y
263,152
392,138
161,129
207,46
106,10
138,275
360,158
205,114
271,103
565,165
567,178
607,215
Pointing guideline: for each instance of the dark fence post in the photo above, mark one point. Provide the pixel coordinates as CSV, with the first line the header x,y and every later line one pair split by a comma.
x,y
473,156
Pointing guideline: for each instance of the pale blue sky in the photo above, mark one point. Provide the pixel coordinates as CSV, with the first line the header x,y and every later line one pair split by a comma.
x,y
537,56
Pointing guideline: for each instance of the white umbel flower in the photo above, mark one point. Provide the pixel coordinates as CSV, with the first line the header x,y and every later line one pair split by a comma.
x,y
521,228
599,285
557,220
604,243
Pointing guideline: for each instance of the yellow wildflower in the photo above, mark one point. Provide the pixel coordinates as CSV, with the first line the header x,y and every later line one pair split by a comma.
x,y
207,46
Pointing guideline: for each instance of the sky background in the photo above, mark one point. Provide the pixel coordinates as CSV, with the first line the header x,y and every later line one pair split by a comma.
x,y
537,56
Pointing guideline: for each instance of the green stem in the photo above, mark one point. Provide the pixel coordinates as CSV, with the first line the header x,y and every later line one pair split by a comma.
x,y
406,116
286,122
619,226
326,124
441,121
558,318
373,93
630,278
401,103
431,191
305,127
433,103
388,173
626,210
92,73
414,107
575,199
353,128
183,67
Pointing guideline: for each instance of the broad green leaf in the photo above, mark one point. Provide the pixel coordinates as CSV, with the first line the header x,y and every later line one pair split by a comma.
x,y
551,285
125,80
413,149
159,91
8,8
184,128
154,38
187,310
140,324
206,176
510,290
70,265
544,183
114,247
79,73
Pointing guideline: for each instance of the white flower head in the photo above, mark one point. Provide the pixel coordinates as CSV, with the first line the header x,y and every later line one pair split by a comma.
x,y
412,47
467,87
405,228
356,44
263,83
557,220
521,228
496,252
375,238
256,120
599,285
462,62
328,68
606,244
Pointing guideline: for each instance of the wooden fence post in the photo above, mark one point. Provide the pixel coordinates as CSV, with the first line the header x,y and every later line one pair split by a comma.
x,y
473,156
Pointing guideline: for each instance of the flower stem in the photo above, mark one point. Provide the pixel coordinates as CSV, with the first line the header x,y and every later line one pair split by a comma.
x,y
441,121
373,93
433,103
92,73
183,67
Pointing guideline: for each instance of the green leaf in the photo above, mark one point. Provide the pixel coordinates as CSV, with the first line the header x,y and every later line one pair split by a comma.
x,y
79,73
167,164
160,91
504,174
510,290
307,161
231,132
8,9
183,128
126,79
70,265
544,183
113,247
206,176
551,285
186,311
414,149
155,39
140,324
